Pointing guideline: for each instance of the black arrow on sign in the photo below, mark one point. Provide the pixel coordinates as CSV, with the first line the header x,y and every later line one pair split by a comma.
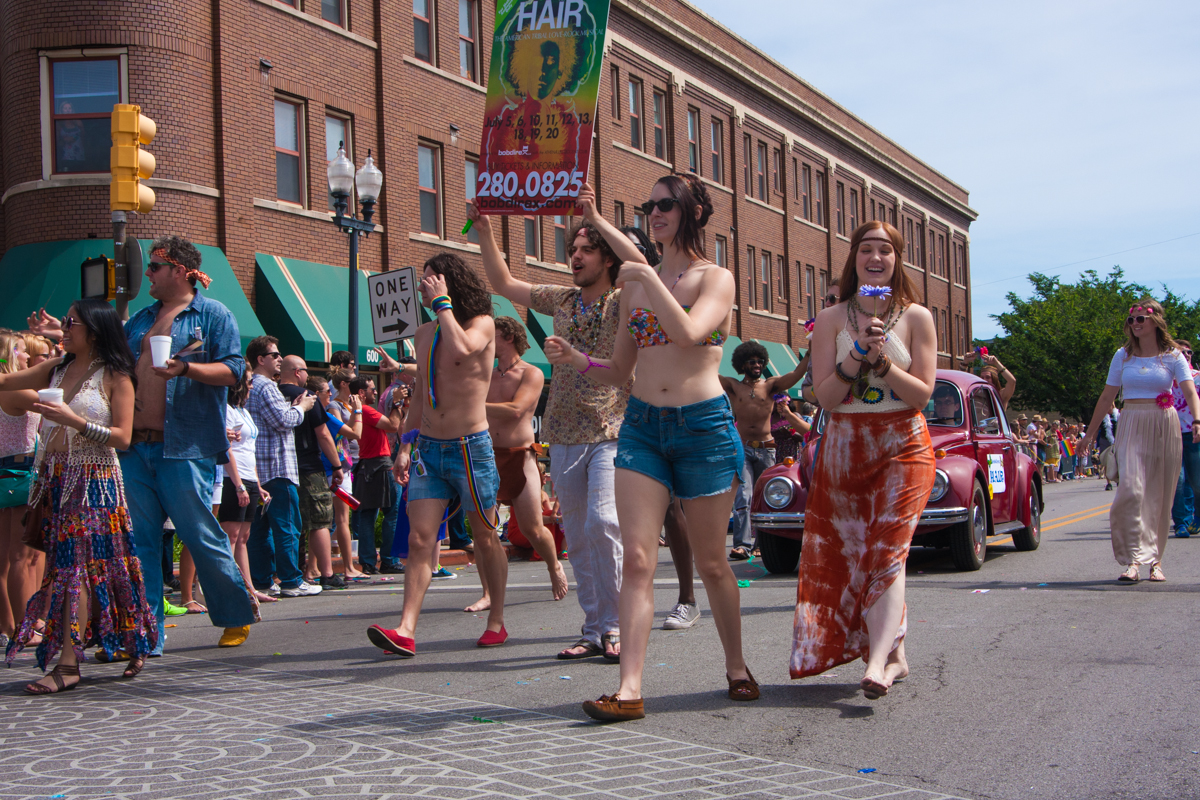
x,y
399,327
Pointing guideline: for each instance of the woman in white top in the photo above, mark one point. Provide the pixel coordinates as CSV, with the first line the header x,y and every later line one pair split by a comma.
x,y
1149,444
240,492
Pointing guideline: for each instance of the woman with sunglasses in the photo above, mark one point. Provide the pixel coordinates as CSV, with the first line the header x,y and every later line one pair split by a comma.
x,y
92,591
874,362
1149,443
677,437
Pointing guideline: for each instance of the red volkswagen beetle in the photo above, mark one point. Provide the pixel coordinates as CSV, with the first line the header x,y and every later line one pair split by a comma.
x,y
985,489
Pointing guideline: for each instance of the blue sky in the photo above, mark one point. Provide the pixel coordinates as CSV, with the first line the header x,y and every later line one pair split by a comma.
x,y
1074,125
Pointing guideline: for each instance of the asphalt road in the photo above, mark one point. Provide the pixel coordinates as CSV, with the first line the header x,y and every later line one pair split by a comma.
x,y
1054,683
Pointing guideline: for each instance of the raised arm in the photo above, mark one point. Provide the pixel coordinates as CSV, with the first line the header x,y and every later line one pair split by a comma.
x,y
275,411
33,378
498,273
781,383
526,398
454,338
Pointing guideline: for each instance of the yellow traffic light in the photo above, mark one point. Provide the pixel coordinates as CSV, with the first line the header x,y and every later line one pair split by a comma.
x,y
129,163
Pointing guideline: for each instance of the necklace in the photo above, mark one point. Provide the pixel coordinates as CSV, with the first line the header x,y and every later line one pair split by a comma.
x,y
511,366
587,322
895,311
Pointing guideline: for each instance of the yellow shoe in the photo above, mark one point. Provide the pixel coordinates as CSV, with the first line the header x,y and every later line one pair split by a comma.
x,y
232,637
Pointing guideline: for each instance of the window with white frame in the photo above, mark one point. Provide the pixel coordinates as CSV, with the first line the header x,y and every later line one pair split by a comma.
x,y
337,132
468,27
289,150
82,92
429,182
472,180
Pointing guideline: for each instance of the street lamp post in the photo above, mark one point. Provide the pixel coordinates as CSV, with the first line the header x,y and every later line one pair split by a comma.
x,y
368,181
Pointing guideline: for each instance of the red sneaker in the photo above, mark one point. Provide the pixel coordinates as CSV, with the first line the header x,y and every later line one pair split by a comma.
x,y
392,642
493,638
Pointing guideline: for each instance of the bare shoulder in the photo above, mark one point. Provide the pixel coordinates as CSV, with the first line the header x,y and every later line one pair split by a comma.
x,y
714,274
920,311
483,323
834,315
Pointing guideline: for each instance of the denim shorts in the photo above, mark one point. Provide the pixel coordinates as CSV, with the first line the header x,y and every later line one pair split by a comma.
x,y
446,469
693,450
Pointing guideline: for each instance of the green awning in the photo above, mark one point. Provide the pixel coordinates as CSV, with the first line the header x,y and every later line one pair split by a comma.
x,y
781,359
534,354
305,306
540,325
46,274
726,368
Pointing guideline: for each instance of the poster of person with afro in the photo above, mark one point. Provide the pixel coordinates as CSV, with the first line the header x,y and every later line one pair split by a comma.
x,y
543,86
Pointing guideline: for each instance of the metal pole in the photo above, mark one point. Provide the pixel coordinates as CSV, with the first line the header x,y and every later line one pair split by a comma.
x,y
122,274
352,336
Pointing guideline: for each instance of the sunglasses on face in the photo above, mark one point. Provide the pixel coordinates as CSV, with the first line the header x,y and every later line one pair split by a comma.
x,y
155,266
273,354
664,205
752,361
70,322
1139,319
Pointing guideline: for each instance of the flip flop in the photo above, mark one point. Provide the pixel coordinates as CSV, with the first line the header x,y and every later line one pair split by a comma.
x,y
199,610
615,640
738,554
591,650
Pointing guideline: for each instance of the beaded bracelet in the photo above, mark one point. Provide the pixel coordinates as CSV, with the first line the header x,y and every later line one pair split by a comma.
x,y
882,366
441,303
843,377
592,364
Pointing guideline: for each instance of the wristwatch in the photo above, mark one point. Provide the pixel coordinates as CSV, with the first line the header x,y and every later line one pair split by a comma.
x,y
242,488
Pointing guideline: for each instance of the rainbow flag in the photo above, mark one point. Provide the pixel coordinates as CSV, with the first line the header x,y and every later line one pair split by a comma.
x,y
1068,448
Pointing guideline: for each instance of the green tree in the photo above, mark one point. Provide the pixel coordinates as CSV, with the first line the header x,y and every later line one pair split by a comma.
x,y
1059,342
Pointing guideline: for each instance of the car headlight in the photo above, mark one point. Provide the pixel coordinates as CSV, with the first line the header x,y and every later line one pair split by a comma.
x,y
778,493
941,485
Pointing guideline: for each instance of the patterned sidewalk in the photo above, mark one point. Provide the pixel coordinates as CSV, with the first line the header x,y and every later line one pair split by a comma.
x,y
197,730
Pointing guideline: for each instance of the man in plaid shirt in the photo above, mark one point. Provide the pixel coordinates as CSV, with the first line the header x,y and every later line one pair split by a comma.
x,y
274,545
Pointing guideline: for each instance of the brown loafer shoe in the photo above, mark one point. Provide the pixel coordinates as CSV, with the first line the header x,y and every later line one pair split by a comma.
x,y
743,689
610,708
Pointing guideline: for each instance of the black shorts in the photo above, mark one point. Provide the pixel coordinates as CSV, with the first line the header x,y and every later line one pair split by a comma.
x,y
229,510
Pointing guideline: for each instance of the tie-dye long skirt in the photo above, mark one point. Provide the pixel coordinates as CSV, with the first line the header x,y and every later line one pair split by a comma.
x,y
873,475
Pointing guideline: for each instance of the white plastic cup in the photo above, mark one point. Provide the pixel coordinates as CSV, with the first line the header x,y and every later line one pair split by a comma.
x,y
50,395
160,350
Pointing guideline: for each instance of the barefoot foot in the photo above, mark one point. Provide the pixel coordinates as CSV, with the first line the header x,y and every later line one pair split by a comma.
x,y
558,581
482,604
873,687
896,668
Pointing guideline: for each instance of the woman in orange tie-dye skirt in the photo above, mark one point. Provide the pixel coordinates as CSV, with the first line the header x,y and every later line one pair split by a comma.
x,y
874,362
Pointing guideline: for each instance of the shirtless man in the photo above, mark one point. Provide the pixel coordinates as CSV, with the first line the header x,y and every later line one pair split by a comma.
x,y
511,400
752,402
453,459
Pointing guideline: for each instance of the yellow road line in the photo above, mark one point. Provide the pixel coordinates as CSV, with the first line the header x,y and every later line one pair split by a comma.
x,y
1073,521
1005,540
1077,513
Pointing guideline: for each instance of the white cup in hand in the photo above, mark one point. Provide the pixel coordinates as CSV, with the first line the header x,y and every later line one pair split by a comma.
x,y
160,350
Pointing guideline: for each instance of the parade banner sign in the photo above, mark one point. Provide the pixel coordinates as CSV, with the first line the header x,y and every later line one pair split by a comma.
x,y
543,87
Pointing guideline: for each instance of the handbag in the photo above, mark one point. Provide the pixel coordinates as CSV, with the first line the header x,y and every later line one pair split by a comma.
x,y
1108,460
14,487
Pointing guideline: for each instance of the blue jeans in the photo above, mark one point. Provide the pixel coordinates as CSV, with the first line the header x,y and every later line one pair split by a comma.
x,y
362,523
1185,510
181,488
758,460
274,544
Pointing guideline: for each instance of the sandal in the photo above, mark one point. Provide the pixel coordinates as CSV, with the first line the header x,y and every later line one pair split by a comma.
x,y
743,688
738,554
1156,573
60,685
612,638
39,633
199,609
590,649
135,666
1130,575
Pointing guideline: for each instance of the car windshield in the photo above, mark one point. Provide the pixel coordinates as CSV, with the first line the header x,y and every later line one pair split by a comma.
x,y
945,407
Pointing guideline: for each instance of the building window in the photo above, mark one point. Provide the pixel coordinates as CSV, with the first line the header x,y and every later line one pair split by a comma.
x,y
779,270
777,169
694,140
750,267
468,63
718,150
840,208
805,181
919,245
819,200
937,327
83,92
748,186
635,113
429,181
614,76
908,243
764,280
337,132
334,11
472,179
423,33
619,215
762,172
930,253
809,296
945,329
853,210
719,245
892,217
660,125
824,287
560,239
639,221
289,165
533,239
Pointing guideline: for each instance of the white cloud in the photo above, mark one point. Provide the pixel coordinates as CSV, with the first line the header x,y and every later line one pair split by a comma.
x,y
1072,124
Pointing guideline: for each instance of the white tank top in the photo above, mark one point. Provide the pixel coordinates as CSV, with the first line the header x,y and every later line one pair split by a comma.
x,y
879,397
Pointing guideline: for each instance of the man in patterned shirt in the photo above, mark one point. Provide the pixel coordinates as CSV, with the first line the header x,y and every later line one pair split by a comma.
x,y
581,423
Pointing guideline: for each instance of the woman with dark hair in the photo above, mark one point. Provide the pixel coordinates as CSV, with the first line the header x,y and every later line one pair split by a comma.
x,y
1149,439
241,493
641,240
93,589
678,436
873,371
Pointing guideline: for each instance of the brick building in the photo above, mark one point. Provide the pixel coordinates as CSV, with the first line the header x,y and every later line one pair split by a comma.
x,y
251,98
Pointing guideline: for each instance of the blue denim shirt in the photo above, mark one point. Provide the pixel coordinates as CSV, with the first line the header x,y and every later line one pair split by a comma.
x,y
195,412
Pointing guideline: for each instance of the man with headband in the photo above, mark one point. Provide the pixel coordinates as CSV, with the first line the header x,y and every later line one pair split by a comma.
x,y
451,460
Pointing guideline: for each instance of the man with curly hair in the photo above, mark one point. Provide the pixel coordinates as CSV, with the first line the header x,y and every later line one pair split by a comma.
x,y
752,401
452,460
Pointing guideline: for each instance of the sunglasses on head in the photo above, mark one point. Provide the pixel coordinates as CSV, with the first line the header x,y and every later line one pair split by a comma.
x,y
664,205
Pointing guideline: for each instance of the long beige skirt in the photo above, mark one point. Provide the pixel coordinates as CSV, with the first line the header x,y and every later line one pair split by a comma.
x,y
1149,457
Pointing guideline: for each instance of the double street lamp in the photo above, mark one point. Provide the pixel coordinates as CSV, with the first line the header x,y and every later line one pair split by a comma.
x,y
368,181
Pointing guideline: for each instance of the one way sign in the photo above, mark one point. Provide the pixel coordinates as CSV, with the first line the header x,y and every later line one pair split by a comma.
x,y
394,314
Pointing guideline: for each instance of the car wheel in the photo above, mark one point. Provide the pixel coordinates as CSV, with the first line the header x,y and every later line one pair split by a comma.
x,y
780,555
1030,537
968,540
